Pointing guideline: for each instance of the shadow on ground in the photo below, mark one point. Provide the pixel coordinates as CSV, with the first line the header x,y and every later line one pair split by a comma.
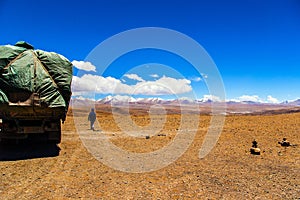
x,y
27,150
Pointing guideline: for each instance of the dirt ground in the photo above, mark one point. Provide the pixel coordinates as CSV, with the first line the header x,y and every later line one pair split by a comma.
x,y
69,171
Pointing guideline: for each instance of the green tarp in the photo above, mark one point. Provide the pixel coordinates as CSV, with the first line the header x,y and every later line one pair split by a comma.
x,y
26,73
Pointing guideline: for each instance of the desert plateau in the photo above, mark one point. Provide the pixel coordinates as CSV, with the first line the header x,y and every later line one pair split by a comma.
x,y
229,171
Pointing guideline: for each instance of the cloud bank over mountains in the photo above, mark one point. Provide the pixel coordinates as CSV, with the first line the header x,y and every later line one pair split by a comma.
x,y
109,85
164,85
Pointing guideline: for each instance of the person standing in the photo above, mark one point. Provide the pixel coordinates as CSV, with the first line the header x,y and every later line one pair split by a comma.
x,y
92,118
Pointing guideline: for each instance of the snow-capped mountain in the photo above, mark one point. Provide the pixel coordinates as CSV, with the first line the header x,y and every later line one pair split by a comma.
x,y
292,103
81,102
150,101
184,100
120,99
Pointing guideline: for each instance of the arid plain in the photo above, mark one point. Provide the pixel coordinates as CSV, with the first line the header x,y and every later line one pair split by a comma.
x,y
229,171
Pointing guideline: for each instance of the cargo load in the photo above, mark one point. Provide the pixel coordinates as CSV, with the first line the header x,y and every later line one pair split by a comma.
x,y
35,86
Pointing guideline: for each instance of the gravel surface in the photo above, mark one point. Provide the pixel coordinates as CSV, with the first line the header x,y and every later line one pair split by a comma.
x,y
70,171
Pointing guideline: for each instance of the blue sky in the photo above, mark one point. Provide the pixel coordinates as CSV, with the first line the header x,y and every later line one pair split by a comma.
x,y
255,44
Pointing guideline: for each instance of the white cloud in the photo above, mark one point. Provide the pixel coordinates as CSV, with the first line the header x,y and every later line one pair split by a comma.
x,y
271,99
164,85
84,98
196,79
204,75
254,98
97,84
209,97
154,75
104,85
134,77
86,66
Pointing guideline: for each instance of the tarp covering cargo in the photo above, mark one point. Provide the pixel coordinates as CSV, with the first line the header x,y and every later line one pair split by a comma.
x,y
31,77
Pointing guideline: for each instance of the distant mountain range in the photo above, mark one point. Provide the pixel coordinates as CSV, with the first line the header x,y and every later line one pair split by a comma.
x,y
292,103
121,100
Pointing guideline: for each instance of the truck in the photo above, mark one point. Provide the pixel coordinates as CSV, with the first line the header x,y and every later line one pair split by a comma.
x,y
35,91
